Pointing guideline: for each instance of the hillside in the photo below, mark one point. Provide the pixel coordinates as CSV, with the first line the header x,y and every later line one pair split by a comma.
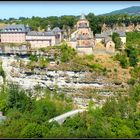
x,y
134,10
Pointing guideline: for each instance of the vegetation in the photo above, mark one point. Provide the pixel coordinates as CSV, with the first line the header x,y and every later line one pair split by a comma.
x,y
123,59
28,112
28,117
2,73
25,113
41,62
116,39
67,22
134,10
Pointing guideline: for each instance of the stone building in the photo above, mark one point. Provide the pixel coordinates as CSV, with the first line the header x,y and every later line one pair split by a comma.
x,y
44,39
21,34
101,37
83,37
109,45
14,33
40,39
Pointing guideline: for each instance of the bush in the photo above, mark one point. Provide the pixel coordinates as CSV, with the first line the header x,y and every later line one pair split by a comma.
x,y
116,39
33,58
67,53
32,130
122,58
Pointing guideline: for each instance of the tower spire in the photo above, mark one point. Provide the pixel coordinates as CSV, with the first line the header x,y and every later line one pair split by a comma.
x,y
82,16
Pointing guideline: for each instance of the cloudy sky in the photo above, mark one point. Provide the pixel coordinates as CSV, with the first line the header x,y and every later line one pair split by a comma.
x,y
18,9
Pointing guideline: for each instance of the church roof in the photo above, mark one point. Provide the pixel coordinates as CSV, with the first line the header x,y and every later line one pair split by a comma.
x,y
56,29
82,16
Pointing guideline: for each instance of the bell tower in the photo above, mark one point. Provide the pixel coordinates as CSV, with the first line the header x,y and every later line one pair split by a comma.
x,y
85,41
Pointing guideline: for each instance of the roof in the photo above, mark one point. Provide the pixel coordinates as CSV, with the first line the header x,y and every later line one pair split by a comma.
x,y
49,33
82,16
107,33
35,33
107,39
56,29
121,33
14,28
99,36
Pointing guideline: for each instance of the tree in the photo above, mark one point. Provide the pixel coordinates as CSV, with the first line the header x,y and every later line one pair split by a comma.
x,y
117,40
32,130
18,99
124,61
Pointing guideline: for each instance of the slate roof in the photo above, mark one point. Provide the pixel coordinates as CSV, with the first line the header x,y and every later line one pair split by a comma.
x,y
56,29
121,33
99,36
15,28
82,16
107,39
110,32
35,33
49,33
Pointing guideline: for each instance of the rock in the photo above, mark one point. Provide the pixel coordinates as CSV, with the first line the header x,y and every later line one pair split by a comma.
x,y
1,80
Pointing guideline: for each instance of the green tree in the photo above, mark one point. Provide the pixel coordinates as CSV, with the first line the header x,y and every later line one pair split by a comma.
x,y
32,130
117,40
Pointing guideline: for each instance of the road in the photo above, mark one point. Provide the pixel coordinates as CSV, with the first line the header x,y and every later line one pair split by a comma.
x,y
60,119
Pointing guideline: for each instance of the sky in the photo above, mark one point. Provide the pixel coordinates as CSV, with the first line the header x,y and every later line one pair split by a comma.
x,y
16,9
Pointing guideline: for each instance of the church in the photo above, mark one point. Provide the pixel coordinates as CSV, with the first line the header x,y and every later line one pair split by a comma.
x,y
82,39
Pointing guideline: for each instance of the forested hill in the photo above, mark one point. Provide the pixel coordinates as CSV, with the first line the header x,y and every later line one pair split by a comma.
x,y
134,10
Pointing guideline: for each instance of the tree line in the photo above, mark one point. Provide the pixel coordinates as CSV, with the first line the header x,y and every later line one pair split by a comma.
x,y
68,21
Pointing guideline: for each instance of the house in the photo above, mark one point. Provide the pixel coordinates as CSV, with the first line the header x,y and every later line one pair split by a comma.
x,y
14,33
44,39
101,37
122,35
23,34
40,39
58,34
109,45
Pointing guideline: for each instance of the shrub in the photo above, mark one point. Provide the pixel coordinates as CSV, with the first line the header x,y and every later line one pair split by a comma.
x,y
122,58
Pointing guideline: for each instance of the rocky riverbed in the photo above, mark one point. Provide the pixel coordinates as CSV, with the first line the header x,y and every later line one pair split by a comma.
x,y
70,82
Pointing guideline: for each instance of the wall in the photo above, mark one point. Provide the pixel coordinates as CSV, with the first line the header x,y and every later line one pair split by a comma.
x,y
110,46
13,37
41,41
85,50
98,40
123,39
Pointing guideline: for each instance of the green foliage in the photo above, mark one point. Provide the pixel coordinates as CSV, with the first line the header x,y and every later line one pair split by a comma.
x,y
3,100
132,53
117,40
17,98
135,92
67,53
133,47
33,58
131,81
32,130
135,73
2,73
26,114
122,58
43,62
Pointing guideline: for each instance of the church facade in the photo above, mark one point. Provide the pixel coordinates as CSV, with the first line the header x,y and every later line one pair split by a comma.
x,y
83,37
84,41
